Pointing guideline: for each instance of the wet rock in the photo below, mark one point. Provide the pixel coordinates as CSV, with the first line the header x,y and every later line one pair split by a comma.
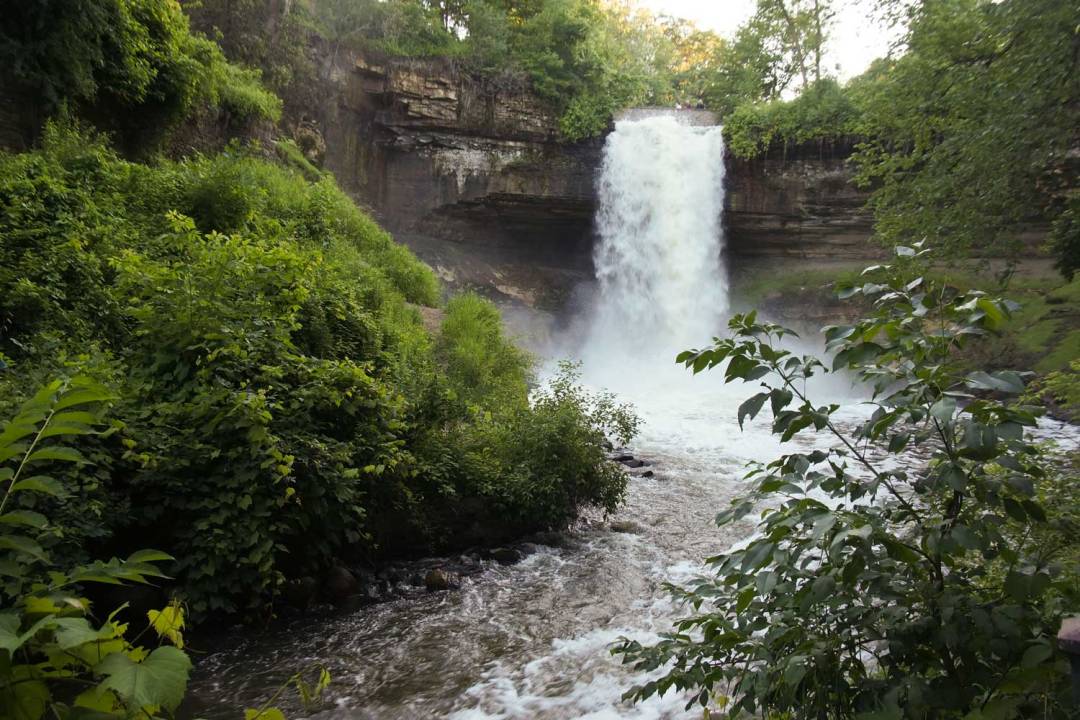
x,y
505,556
437,580
647,474
549,538
416,580
634,463
339,584
626,526
528,548
622,457
392,575
301,592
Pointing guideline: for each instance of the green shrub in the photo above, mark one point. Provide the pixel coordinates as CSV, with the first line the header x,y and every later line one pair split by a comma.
x,y
240,91
130,66
56,657
822,112
483,367
279,404
877,584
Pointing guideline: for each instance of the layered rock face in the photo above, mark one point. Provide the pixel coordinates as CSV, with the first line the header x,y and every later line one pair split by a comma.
x,y
475,179
797,202
471,176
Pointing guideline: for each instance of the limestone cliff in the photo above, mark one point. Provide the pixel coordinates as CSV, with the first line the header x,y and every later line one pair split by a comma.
x,y
797,202
473,176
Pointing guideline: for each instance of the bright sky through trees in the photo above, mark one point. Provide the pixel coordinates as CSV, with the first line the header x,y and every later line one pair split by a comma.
x,y
857,38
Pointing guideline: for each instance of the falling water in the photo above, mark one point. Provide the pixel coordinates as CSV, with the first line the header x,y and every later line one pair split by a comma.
x,y
662,285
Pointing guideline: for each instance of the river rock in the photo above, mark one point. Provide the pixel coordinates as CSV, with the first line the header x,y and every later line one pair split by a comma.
x,y
626,526
340,583
549,538
300,592
622,457
437,580
505,556
634,463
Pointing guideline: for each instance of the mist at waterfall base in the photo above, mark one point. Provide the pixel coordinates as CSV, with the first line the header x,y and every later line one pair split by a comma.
x,y
662,287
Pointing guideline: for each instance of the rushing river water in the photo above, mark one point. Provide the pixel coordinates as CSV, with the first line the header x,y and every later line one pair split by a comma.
x,y
531,640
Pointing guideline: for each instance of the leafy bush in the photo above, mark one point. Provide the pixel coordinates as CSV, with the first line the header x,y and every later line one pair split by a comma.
x,y
240,91
537,466
55,657
879,585
823,111
132,66
281,402
483,367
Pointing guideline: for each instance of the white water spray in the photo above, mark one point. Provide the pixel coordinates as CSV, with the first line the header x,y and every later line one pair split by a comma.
x,y
662,286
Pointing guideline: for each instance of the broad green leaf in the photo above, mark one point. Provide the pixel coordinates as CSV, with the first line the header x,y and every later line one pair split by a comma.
x,y
23,544
39,483
751,407
86,396
73,632
944,409
96,699
1003,381
169,622
158,681
24,699
1036,655
149,556
62,454
24,517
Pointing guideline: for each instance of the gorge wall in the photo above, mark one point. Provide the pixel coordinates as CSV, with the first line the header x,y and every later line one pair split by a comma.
x,y
475,179
472,176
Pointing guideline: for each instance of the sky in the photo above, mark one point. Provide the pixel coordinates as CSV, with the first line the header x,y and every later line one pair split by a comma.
x,y
855,41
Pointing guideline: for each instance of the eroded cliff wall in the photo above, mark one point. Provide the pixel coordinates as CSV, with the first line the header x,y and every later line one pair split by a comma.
x,y
473,176
798,202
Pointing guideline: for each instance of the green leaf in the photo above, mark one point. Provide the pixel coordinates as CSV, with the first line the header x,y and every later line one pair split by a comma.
x,y
751,407
20,543
39,483
24,699
944,409
779,399
856,355
979,442
73,632
757,555
85,396
62,454
24,517
1036,655
158,681
169,623
149,556
1004,381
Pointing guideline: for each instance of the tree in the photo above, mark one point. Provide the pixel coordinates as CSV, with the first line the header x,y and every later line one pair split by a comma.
x,y
779,48
879,585
970,132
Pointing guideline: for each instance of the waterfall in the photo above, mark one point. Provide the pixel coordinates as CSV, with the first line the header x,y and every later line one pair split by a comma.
x,y
662,285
